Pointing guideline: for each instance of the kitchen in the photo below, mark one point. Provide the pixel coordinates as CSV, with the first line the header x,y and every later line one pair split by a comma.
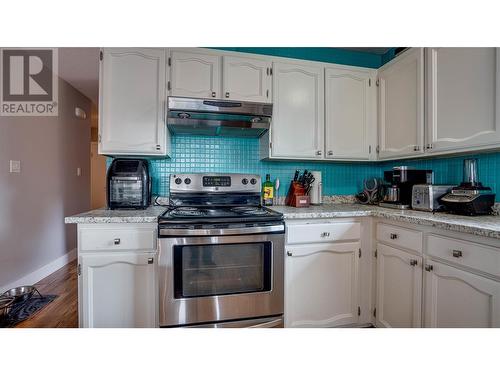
x,y
260,187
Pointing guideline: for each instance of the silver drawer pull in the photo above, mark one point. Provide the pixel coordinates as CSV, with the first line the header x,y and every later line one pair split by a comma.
x,y
429,267
394,236
116,241
325,234
289,253
413,262
457,253
150,260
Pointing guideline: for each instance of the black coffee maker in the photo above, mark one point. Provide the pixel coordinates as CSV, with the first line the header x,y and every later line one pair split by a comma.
x,y
397,193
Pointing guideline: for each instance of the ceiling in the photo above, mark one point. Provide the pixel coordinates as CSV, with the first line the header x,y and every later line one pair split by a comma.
x,y
80,68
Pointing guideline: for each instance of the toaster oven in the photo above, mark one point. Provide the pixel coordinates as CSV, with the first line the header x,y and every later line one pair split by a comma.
x,y
128,184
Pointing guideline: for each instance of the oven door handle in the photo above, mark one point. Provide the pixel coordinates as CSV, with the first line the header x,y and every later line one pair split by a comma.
x,y
174,232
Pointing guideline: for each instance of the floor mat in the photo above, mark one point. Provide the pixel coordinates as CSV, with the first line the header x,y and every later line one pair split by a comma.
x,y
23,310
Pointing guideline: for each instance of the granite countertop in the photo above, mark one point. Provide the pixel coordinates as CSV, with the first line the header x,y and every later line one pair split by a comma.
x,y
488,226
104,216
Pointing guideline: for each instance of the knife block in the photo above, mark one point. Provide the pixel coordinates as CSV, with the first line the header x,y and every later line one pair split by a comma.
x,y
296,196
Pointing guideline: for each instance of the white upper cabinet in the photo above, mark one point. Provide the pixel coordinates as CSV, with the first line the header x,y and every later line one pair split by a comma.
x,y
322,285
461,98
246,79
132,102
401,105
350,122
298,111
399,288
459,299
195,74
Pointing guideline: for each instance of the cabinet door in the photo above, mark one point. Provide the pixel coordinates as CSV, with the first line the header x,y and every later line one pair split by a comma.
x,y
399,288
195,75
298,120
322,285
456,298
461,98
246,79
118,290
349,114
401,106
132,102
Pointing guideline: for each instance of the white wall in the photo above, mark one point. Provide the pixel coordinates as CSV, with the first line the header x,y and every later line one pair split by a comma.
x,y
33,204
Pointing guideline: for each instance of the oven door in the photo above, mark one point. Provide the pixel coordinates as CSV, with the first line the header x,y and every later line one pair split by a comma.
x,y
220,278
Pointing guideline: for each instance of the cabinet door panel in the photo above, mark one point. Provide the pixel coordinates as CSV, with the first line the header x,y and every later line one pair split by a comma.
x,y
401,111
461,97
195,75
246,79
399,288
132,102
348,122
298,120
322,285
118,290
456,298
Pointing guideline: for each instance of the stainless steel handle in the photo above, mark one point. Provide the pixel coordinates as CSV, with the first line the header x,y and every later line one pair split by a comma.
x,y
213,94
429,267
416,148
429,146
325,234
330,153
457,253
150,260
394,236
318,153
413,262
172,232
227,94
289,253
116,241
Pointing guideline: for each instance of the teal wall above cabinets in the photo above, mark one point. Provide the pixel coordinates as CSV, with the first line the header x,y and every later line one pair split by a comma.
x,y
241,155
323,54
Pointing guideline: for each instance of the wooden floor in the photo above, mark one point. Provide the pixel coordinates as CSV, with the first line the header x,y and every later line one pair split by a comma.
x,y
63,311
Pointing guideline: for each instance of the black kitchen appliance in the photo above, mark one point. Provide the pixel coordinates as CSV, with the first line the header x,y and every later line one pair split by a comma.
x,y
401,180
128,184
470,198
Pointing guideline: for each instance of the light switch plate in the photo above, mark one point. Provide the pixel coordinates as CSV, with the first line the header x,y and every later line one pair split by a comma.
x,y
15,166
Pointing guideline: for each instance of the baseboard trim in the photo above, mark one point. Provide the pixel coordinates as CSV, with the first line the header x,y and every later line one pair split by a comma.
x,y
42,272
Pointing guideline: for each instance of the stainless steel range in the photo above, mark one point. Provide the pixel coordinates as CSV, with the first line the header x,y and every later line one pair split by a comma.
x,y
221,254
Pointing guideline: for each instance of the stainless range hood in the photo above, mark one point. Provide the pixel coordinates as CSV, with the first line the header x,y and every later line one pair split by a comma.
x,y
218,117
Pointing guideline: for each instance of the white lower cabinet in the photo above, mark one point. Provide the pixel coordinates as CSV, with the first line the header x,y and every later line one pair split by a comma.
x,y
322,285
399,288
117,290
456,298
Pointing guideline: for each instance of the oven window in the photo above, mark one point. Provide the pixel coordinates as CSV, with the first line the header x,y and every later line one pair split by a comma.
x,y
214,270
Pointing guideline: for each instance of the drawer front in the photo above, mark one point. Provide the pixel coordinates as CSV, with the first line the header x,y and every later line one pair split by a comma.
x,y
324,232
480,257
117,239
400,237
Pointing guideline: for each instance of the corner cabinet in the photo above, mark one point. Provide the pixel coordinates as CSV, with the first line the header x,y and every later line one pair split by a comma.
x,y
462,101
350,108
132,89
401,106
298,113
399,288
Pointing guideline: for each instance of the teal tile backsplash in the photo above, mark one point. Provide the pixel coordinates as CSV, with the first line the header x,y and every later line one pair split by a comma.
x,y
240,155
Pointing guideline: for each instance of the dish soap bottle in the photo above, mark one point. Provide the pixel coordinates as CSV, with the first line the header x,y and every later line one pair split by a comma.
x,y
267,191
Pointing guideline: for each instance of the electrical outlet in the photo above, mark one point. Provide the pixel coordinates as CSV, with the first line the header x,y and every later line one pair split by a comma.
x,y
78,171
15,166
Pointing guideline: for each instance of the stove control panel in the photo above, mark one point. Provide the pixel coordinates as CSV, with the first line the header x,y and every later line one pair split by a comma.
x,y
215,182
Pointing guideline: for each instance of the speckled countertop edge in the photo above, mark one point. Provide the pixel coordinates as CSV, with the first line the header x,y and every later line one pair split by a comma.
x,y
105,216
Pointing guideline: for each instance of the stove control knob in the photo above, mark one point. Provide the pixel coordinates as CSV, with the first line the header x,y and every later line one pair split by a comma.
x,y
253,181
187,181
244,181
178,181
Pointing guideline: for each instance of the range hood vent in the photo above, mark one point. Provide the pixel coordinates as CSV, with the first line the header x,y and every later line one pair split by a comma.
x,y
227,118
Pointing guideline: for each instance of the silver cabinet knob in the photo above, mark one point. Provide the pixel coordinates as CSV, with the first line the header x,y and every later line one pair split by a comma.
x,y
416,148
413,262
429,267
213,94
289,253
158,147
227,94
330,153
150,260
457,253
394,236
325,234
318,153
116,241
